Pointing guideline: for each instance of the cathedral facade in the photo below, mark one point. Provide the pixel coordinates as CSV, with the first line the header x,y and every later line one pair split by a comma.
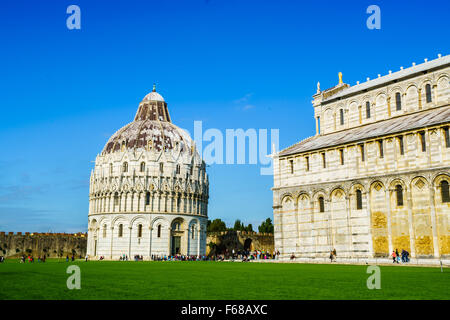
x,y
375,176
149,190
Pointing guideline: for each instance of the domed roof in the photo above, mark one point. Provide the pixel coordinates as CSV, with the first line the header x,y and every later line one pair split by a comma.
x,y
150,135
151,130
153,96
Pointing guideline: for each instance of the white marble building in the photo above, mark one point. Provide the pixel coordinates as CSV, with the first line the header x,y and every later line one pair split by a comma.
x,y
148,190
375,176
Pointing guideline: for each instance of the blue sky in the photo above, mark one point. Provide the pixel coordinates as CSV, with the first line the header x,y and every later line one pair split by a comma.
x,y
231,64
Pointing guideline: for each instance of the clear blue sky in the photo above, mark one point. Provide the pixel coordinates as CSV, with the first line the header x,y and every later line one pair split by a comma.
x,y
232,64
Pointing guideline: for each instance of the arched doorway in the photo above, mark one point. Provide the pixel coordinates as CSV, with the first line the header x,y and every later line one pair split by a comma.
x,y
247,244
177,236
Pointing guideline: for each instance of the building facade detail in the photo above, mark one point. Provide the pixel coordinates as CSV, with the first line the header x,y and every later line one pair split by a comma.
x,y
149,190
375,176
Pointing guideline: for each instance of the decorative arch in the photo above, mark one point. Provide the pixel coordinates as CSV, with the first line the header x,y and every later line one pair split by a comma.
x,y
378,219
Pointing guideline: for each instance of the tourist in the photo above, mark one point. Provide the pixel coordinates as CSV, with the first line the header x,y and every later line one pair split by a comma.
x,y
73,258
397,255
67,258
331,256
394,257
334,254
2,259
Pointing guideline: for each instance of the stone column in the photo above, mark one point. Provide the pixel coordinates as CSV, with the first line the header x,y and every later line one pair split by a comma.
x,y
411,227
198,238
313,229
129,242
369,211
186,240
169,238
434,86
419,91
433,221
317,126
388,211
389,111
349,227
150,228
297,232
170,202
111,244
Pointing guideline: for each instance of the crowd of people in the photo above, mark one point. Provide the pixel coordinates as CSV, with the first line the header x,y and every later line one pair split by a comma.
x,y
397,257
244,256
180,257
30,258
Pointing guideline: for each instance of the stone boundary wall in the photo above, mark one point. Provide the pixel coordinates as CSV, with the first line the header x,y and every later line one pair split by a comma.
x,y
238,240
53,245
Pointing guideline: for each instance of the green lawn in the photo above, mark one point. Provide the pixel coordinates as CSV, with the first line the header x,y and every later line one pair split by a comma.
x,y
217,280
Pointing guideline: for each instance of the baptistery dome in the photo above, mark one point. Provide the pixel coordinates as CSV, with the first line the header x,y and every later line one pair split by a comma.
x,y
148,190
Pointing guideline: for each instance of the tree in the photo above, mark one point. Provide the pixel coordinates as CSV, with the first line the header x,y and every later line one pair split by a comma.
x,y
266,226
238,225
216,225
249,228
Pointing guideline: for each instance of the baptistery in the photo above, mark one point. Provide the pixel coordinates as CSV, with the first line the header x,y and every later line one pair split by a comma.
x,y
149,190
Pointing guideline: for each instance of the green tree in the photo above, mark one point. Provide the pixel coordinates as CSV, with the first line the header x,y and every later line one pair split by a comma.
x,y
216,225
266,226
238,226
249,228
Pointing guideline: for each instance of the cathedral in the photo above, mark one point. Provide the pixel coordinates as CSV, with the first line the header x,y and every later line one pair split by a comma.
x,y
149,190
375,176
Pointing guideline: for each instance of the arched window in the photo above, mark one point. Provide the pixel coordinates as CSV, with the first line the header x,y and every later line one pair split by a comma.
x,y
400,145
193,232
142,166
104,231
125,167
116,199
380,148
341,116
398,101
444,191
120,230
423,141
140,231
321,205
147,198
110,168
178,169
358,200
367,109
447,137
428,92
399,192
161,167
159,231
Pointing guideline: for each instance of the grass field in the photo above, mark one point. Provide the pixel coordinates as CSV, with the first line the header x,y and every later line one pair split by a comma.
x,y
217,280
